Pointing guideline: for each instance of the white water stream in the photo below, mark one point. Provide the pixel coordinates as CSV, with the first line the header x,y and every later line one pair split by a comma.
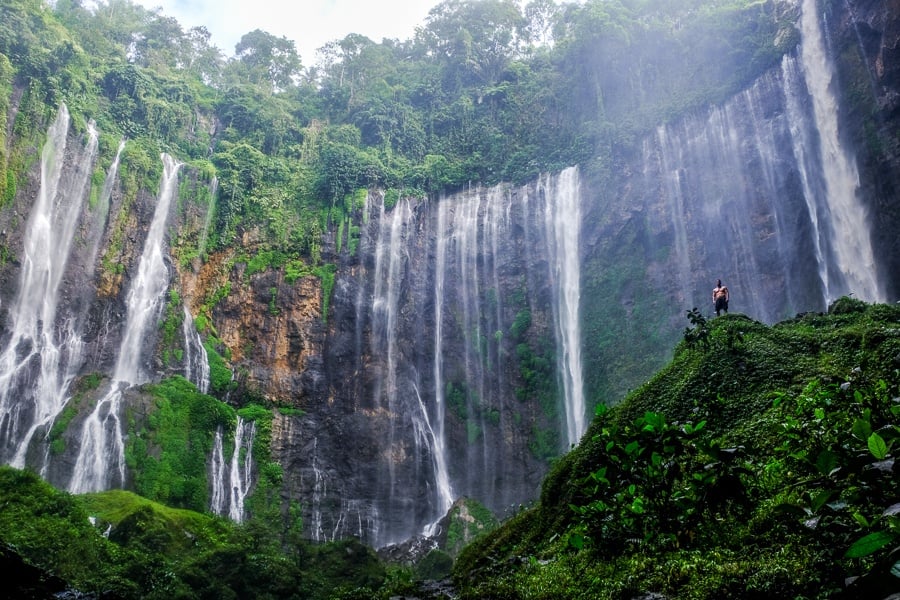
x,y
42,356
851,243
563,232
196,360
101,457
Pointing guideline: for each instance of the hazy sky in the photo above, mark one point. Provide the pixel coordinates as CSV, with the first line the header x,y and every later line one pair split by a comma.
x,y
309,23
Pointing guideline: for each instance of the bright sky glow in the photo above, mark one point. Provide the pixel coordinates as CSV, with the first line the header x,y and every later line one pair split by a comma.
x,y
309,23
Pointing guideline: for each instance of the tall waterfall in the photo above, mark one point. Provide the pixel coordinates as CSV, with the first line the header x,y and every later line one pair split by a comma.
x,y
230,483
218,497
440,388
563,225
850,240
101,456
761,193
42,353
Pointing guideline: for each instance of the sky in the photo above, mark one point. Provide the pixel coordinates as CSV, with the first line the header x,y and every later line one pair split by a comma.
x,y
309,23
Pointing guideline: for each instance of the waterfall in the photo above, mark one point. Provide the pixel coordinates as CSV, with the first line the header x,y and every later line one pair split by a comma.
x,y
241,468
444,489
389,258
319,492
109,182
563,226
850,241
427,437
196,361
439,286
101,457
761,192
42,354
218,497
230,483
149,284
101,210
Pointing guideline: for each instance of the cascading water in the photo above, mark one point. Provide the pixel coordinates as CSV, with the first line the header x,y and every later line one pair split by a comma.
x,y
101,455
230,483
445,490
563,224
778,218
42,354
218,497
109,182
196,360
448,278
851,244
389,255
241,468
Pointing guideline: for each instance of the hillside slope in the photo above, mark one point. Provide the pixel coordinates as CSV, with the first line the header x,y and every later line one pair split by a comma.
x,y
758,464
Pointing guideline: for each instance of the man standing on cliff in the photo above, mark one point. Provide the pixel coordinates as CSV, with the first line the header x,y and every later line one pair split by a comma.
x,y
720,297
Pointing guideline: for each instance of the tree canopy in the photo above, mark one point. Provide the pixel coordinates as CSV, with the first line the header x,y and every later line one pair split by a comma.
x,y
486,90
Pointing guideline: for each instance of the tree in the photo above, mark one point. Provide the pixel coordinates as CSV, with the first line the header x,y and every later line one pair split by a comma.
x,y
477,38
268,59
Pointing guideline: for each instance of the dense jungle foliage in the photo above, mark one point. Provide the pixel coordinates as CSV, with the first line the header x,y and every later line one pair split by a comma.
x,y
760,463
485,91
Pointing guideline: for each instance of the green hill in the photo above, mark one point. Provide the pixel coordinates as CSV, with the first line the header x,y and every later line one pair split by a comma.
x,y
758,464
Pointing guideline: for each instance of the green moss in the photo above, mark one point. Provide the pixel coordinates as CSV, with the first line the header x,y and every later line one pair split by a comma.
x,y
290,411
170,342
467,520
50,529
169,458
82,386
326,273
734,445
221,379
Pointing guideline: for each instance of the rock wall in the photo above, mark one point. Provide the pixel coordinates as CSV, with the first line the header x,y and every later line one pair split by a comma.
x,y
437,371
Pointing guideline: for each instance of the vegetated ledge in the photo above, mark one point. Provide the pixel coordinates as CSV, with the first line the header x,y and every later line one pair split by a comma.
x,y
760,463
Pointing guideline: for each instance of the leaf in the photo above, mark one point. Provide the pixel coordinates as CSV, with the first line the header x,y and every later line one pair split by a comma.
x,y
862,429
877,446
863,522
819,500
869,544
826,462
895,569
576,540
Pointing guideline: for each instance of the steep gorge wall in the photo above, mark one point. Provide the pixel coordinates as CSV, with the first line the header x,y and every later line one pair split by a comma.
x,y
435,372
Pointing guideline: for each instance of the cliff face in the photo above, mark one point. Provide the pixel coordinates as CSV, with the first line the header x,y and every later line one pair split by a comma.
x,y
426,391
468,337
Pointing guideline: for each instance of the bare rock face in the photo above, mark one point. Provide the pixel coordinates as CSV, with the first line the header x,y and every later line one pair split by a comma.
x,y
275,331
